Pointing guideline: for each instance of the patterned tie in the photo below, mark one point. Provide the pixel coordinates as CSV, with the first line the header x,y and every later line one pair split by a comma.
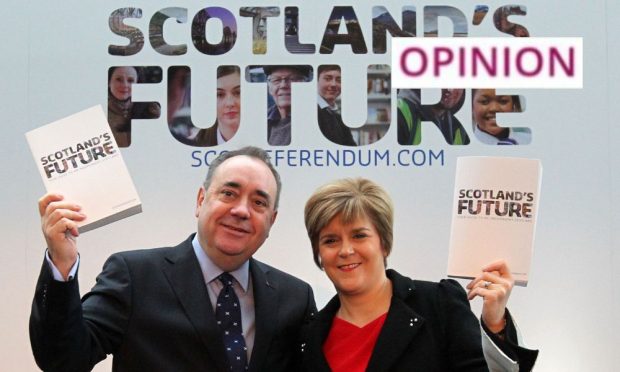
x,y
228,316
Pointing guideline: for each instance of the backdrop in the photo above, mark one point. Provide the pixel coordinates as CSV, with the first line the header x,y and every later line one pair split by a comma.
x,y
56,62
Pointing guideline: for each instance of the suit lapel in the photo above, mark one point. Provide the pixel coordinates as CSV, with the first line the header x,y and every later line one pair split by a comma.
x,y
265,310
401,326
183,272
314,359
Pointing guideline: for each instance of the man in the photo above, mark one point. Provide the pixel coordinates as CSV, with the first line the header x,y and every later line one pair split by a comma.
x,y
330,121
411,113
279,80
157,309
161,309
443,116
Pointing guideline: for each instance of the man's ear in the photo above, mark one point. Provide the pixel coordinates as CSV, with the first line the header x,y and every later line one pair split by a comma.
x,y
200,198
273,217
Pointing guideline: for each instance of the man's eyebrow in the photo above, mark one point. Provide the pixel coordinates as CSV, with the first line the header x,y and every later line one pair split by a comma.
x,y
264,194
233,184
237,185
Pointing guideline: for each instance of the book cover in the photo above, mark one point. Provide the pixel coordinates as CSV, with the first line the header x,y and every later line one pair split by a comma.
x,y
494,215
78,157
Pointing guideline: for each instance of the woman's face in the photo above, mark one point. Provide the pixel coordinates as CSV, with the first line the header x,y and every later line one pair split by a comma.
x,y
352,256
485,107
120,82
228,104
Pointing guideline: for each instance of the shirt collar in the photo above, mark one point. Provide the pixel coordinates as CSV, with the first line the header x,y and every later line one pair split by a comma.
x,y
210,271
487,138
220,139
323,103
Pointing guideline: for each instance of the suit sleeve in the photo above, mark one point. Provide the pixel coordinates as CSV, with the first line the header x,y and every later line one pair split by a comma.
x,y
461,327
507,355
70,335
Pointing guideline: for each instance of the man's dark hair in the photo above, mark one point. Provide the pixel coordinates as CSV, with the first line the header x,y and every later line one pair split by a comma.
x,y
324,68
252,152
227,70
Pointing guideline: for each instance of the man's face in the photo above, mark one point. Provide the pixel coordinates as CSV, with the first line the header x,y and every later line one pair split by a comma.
x,y
280,86
237,211
450,97
329,85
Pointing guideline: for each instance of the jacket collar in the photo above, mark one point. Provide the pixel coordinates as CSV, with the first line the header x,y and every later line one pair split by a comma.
x,y
185,276
401,325
183,272
266,301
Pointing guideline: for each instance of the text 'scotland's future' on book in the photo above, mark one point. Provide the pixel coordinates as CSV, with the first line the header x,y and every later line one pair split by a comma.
x,y
494,215
78,157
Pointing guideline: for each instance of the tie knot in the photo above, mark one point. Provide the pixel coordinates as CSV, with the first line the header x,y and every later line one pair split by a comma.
x,y
226,279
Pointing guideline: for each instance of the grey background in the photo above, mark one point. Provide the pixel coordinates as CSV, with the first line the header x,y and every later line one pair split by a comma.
x,y
55,64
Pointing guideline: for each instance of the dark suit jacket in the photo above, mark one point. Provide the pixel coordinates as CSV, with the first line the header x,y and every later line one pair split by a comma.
x,y
151,310
333,128
429,327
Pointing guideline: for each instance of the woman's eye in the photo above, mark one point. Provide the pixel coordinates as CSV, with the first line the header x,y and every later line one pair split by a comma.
x,y
504,101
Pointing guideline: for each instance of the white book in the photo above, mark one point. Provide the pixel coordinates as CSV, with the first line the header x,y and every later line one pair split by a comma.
x,y
494,215
78,157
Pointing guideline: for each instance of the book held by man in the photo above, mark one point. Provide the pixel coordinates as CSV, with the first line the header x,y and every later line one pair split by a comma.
x,y
494,215
78,157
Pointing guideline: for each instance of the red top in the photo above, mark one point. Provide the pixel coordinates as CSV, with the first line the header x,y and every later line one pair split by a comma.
x,y
348,347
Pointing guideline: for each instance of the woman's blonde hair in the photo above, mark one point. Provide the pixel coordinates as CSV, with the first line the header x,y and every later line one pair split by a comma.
x,y
350,199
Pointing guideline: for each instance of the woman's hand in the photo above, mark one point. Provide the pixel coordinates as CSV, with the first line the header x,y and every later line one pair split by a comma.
x,y
494,286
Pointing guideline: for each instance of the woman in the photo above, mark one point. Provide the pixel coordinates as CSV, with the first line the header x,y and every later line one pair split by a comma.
x,y
120,107
382,321
228,108
485,106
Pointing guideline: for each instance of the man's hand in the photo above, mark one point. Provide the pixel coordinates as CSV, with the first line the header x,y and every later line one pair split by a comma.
x,y
494,286
59,224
